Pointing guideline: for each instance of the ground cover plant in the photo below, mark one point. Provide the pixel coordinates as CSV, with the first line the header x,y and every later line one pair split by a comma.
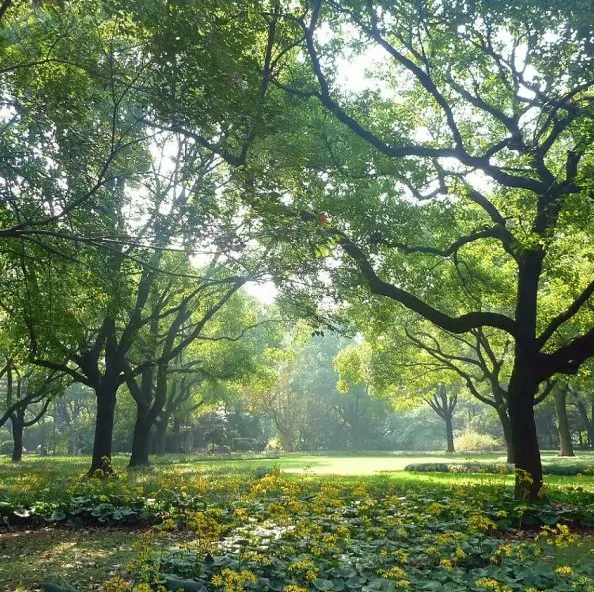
x,y
228,526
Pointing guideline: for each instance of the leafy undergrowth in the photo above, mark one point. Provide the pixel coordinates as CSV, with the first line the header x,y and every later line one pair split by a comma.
x,y
262,530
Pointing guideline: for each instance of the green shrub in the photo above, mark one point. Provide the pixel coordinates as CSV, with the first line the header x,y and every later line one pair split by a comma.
x,y
243,444
496,468
491,468
471,441
6,447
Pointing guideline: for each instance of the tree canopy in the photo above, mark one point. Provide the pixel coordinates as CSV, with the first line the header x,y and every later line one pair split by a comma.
x,y
452,175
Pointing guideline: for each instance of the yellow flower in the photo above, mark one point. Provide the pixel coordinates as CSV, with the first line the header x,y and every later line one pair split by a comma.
x,y
117,584
564,570
394,573
216,580
434,509
492,584
310,575
459,554
480,523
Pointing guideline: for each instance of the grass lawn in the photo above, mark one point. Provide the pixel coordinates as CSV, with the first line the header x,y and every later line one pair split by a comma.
x,y
434,531
298,463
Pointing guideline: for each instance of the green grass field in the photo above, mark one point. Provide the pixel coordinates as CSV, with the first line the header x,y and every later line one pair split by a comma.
x,y
454,529
338,463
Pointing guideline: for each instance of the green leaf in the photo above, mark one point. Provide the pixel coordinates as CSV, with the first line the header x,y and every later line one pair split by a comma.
x,y
48,587
175,584
322,584
57,515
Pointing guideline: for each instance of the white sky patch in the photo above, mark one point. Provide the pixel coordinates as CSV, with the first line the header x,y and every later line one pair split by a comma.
x,y
355,73
265,292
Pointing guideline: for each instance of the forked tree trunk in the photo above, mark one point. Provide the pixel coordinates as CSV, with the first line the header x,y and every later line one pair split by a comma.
x,y
148,409
102,444
287,440
566,447
444,407
524,439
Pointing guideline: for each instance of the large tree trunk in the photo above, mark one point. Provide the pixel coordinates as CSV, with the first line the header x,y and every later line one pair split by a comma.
x,y
141,437
106,402
524,439
566,447
18,425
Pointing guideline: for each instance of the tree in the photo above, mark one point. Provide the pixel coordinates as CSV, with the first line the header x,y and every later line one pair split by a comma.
x,y
68,128
161,389
517,187
28,396
581,391
444,405
388,376
560,393
480,360
272,392
412,193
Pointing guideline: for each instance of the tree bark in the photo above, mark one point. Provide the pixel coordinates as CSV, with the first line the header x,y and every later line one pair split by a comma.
x,y
449,434
148,408
141,437
162,435
287,440
522,389
444,406
18,425
106,402
565,445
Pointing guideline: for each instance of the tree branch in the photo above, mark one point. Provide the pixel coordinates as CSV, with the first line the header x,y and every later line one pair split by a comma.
x,y
460,324
567,314
4,7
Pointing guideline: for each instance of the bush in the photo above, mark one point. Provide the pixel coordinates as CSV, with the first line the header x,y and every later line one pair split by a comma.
x,y
471,441
495,468
243,444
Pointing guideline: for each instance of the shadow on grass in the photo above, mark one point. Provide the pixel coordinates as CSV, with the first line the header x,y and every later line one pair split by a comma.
x,y
62,555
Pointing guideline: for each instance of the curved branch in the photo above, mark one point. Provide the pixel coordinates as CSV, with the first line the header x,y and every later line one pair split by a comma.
x,y
568,358
460,324
566,315
492,232
468,379
545,392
